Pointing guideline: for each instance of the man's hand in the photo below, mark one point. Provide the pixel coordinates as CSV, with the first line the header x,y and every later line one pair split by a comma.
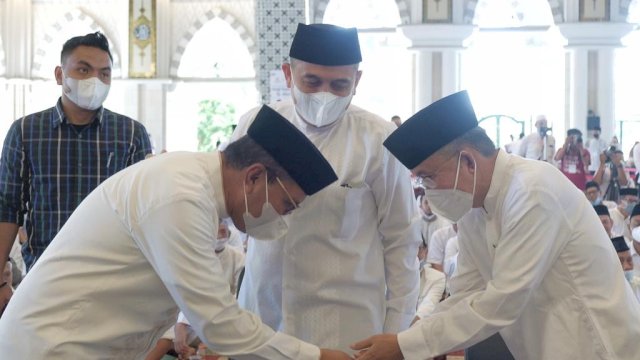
x,y
6,291
180,340
328,354
379,347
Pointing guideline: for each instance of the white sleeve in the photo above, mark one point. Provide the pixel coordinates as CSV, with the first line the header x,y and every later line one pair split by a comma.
x,y
435,289
182,319
523,256
176,240
399,225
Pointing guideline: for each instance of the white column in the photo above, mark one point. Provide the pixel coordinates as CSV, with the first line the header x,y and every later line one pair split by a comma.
x,y
602,38
16,27
437,63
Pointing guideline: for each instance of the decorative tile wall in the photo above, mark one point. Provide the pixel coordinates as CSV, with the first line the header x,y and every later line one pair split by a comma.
x,y
276,23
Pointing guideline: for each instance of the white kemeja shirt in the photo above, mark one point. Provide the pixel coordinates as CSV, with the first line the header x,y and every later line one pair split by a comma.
x,y
139,247
535,264
428,228
532,147
596,147
431,290
438,245
347,268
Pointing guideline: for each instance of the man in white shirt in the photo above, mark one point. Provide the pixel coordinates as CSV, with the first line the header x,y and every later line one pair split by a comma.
x,y
620,215
596,146
594,195
634,230
539,145
534,264
347,268
430,221
138,249
438,245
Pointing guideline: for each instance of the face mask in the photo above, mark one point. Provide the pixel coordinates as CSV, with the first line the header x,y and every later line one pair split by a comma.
x,y
88,94
423,262
635,233
628,206
628,274
269,225
221,243
453,204
597,201
321,108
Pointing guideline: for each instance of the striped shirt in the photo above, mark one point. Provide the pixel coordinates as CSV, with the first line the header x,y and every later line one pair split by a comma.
x,y
49,166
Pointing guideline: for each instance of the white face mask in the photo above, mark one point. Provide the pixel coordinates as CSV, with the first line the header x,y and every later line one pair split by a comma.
x,y
269,225
321,108
453,204
88,94
635,234
628,274
221,243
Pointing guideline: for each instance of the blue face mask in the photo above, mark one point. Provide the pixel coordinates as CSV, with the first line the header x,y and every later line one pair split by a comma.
x,y
597,201
629,207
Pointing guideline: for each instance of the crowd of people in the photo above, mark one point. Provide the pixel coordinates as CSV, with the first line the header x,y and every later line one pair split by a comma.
x,y
320,231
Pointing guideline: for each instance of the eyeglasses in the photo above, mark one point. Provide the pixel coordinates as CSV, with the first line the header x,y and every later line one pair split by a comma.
x,y
293,203
427,181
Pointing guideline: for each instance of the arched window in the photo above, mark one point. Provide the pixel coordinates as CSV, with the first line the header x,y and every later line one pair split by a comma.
x,y
218,85
514,65
386,85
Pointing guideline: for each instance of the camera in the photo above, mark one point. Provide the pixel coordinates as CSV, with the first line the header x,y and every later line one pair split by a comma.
x,y
609,153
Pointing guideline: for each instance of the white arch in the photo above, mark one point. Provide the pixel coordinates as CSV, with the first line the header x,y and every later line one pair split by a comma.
x,y
199,23
321,6
74,17
471,5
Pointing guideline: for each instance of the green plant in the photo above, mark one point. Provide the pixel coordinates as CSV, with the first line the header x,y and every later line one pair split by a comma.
x,y
216,124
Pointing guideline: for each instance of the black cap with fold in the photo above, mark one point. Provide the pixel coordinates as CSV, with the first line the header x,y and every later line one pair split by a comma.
x,y
620,244
292,150
432,128
325,44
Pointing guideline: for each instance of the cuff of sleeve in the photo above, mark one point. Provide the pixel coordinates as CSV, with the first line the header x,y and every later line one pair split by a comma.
x,y
412,343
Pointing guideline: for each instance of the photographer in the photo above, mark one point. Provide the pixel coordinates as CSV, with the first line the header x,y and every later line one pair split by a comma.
x,y
611,175
572,160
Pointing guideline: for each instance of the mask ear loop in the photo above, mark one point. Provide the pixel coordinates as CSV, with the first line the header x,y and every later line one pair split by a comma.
x,y
455,184
246,204
475,168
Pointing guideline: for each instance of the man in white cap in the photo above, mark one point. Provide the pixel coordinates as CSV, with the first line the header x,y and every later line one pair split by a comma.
x,y
347,268
539,145
535,264
138,249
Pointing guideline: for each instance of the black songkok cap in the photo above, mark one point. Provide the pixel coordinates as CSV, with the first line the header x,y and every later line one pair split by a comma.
x,y
628,191
292,150
620,244
591,184
325,44
635,211
432,128
601,210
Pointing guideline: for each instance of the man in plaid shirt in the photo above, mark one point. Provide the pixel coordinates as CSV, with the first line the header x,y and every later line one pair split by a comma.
x,y
52,160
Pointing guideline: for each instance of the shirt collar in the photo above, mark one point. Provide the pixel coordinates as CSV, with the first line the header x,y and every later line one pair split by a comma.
x,y
59,116
218,189
498,180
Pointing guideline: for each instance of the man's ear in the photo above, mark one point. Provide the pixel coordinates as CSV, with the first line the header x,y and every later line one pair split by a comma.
x,y
286,69
467,159
58,74
253,173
